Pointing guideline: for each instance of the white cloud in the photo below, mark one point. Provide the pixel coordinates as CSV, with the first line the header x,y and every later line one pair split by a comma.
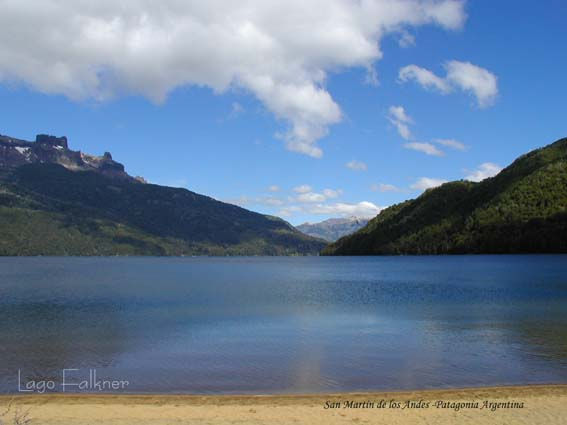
x,y
465,76
403,129
424,77
361,209
306,195
311,197
382,187
406,40
482,83
371,77
399,114
426,148
400,119
236,109
289,211
274,188
484,170
424,183
315,203
330,193
356,165
451,143
304,188
247,201
281,52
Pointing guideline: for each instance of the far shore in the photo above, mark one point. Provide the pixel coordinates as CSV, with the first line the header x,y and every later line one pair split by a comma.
x,y
534,404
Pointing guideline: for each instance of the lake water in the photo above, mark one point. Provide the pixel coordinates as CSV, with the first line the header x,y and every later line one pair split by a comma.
x,y
284,325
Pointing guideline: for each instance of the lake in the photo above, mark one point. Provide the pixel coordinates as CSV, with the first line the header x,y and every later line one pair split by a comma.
x,y
282,324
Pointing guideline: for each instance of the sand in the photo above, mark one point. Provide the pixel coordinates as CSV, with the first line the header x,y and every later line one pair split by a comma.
x,y
541,405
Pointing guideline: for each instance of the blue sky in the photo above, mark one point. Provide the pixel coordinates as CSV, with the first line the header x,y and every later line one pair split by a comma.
x,y
274,128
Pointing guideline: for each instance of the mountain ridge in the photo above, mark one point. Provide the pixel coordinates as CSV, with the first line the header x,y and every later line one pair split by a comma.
x,y
55,201
49,149
333,228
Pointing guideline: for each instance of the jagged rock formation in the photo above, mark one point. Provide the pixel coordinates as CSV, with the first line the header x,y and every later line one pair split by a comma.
x,y
55,150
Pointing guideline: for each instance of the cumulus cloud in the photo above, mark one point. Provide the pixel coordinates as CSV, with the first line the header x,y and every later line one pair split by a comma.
x,y
304,188
364,209
361,209
306,201
330,193
356,165
424,77
340,209
465,76
247,201
484,171
451,143
281,52
274,188
425,183
311,197
382,187
480,82
401,120
426,148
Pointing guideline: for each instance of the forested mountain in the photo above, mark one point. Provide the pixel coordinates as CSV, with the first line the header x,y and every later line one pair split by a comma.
x,y
54,201
521,210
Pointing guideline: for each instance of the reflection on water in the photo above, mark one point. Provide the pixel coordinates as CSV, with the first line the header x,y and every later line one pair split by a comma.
x,y
202,325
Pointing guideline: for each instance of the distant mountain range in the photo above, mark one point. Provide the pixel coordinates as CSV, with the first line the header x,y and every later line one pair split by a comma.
x,y
55,201
521,210
333,228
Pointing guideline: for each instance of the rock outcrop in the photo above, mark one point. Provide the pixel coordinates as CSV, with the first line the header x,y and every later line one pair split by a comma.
x,y
49,149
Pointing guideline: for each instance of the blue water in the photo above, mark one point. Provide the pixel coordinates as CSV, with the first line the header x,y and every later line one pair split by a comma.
x,y
285,325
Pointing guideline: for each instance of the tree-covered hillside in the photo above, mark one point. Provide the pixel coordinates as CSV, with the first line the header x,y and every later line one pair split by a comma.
x,y
521,210
46,209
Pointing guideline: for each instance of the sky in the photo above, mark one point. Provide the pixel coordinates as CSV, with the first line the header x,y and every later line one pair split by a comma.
x,y
302,109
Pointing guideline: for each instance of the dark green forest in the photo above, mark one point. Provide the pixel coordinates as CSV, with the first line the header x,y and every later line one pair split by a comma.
x,y
46,209
521,210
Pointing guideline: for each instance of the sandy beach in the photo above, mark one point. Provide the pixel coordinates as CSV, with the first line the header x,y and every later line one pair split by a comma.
x,y
500,405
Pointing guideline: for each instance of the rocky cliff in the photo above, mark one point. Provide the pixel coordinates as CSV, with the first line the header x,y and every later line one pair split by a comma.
x,y
55,150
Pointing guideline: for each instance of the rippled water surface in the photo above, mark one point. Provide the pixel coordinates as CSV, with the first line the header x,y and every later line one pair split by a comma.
x,y
273,325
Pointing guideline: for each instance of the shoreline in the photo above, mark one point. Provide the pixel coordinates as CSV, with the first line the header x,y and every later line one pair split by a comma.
x,y
521,388
530,404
